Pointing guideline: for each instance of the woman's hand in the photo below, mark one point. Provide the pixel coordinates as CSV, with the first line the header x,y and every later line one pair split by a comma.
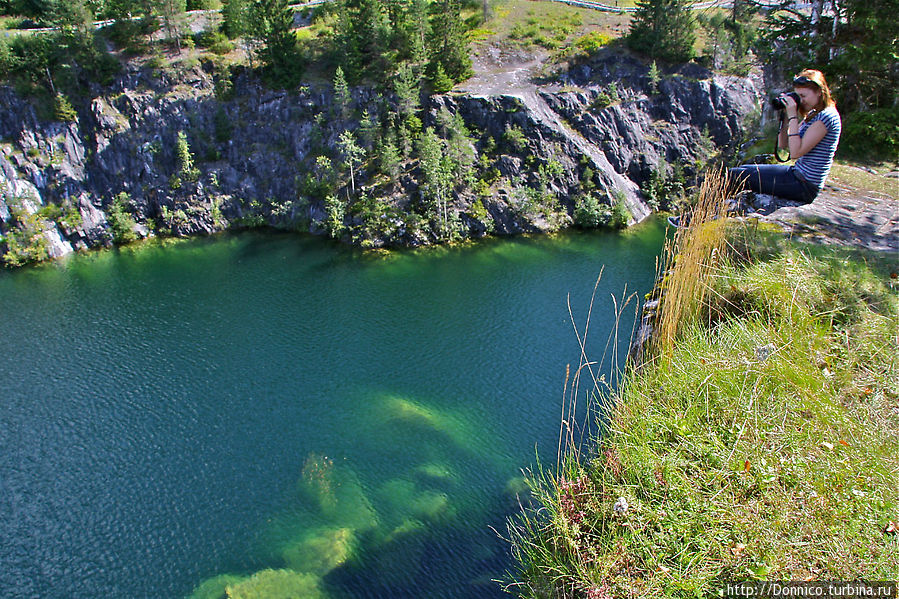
x,y
789,104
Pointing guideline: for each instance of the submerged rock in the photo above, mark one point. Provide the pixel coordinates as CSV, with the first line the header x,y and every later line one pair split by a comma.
x,y
321,551
277,584
337,494
216,588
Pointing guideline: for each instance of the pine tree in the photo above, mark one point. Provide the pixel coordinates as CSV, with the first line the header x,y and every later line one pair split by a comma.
x,y
235,18
449,46
389,159
407,86
856,46
417,24
865,59
368,33
440,81
341,91
272,27
335,210
345,47
408,24
186,169
171,11
862,56
654,78
663,29
69,15
437,172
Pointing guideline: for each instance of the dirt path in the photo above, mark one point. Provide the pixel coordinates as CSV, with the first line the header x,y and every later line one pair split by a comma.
x,y
501,72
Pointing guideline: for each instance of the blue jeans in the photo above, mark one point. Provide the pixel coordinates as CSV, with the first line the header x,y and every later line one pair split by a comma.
x,y
773,179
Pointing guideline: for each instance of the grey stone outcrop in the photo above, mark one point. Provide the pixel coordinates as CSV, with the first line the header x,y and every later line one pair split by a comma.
x,y
253,151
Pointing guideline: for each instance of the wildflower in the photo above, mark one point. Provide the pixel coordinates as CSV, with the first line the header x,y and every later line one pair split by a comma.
x,y
620,506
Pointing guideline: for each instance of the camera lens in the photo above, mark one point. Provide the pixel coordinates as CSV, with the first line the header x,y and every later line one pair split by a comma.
x,y
777,102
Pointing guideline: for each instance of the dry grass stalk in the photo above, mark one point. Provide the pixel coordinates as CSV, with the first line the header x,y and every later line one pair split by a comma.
x,y
572,431
690,258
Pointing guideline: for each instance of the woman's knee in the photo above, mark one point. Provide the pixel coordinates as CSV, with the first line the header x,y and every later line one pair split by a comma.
x,y
739,175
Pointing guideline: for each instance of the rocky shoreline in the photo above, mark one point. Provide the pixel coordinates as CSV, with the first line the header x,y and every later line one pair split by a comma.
x,y
599,125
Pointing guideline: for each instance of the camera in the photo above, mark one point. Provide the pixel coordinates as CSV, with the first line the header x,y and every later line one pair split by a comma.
x,y
778,104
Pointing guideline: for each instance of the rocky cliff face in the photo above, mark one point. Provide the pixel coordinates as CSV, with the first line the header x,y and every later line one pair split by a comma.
x,y
255,158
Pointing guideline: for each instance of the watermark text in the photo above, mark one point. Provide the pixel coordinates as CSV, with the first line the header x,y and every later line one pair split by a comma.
x,y
774,589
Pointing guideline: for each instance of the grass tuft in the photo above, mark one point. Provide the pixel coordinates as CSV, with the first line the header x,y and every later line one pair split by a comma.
x,y
691,258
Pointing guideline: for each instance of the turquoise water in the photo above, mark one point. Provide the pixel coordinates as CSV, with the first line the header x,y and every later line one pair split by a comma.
x,y
279,412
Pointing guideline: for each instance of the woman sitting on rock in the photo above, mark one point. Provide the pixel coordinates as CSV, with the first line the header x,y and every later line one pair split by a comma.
x,y
812,133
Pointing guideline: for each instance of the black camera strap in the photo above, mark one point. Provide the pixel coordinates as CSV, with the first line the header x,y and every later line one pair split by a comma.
x,y
783,123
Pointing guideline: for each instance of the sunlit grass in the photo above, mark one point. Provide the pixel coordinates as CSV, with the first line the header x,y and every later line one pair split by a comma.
x,y
762,443
852,175
550,25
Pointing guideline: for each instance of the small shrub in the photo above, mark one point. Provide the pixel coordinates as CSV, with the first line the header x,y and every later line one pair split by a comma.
x,y
589,213
592,41
25,241
121,223
520,31
179,217
479,211
547,42
335,210
620,214
606,98
63,110
208,38
189,64
187,171
50,212
665,190
7,60
222,125
155,62
70,218
129,35
222,47
515,138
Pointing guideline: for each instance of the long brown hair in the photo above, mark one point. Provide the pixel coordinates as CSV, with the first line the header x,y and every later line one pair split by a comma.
x,y
814,80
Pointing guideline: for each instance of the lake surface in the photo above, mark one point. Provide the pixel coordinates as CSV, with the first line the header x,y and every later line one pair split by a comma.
x,y
281,412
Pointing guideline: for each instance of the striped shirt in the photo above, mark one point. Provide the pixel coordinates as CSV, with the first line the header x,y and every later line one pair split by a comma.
x,y
815,165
